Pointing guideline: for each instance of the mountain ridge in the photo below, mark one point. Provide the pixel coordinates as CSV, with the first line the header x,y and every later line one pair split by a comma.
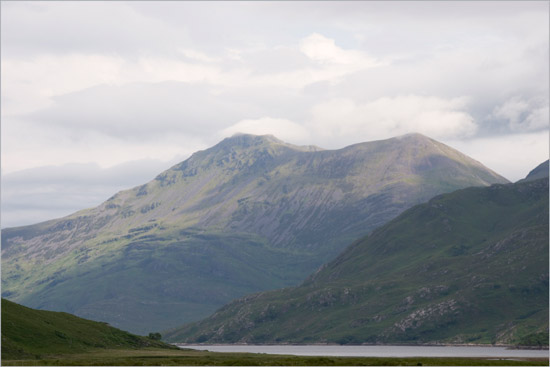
x,y
248,214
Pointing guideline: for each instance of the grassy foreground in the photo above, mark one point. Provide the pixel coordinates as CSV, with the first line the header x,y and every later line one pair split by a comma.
x,y
29,334
166,357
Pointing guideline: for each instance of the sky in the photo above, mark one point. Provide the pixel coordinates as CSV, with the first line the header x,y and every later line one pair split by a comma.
x,y
97,97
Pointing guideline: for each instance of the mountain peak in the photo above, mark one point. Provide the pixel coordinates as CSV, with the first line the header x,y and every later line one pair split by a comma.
x,y
248,214
413,135
248,140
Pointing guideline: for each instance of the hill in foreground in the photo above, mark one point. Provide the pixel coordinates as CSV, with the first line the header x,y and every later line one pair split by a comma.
x,y
466,267
252,213
29,333
33,337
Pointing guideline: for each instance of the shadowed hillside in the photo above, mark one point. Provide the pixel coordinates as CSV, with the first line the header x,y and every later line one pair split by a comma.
x,y
466,267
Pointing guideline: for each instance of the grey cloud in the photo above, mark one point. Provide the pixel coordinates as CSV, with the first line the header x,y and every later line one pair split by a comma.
x,y
132,28
276,60
30,28
489,52
142,110
44,193
148,27
451,75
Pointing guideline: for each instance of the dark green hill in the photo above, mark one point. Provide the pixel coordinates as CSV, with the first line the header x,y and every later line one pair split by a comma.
x,y
29,333
466,267
249,214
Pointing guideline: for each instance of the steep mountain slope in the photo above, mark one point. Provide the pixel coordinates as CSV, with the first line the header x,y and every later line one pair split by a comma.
x,y
469,266
28,333
251,213
540,171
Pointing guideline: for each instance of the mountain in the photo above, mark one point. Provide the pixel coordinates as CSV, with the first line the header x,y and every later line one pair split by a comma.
x,y
466,267
30,334
540,171
251,213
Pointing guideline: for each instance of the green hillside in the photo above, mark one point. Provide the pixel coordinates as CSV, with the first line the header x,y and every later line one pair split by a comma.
x,y
249,214
29,333
466,267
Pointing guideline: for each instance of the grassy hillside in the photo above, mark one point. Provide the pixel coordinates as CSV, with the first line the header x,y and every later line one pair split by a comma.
x,y
29,333
249,214
466,267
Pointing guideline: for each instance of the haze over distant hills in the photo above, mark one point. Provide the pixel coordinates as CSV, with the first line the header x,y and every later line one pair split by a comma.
x,y
249,214
466,267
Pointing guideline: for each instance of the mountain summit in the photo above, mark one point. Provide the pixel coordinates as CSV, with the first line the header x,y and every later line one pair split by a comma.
x,y
251,213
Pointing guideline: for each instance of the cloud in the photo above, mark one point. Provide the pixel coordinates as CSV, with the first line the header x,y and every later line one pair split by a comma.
x,y
282,128
141,111
31,84
323,50
199,56
47,79
386,117
116,28
108,82
43,193
523,116
512,155
538,119
46,144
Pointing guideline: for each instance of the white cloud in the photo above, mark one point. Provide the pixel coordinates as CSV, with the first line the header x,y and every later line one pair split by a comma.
x,y
281,128
511,110
108,82
324,51
198,56
523,115
512,156
386,117
30,84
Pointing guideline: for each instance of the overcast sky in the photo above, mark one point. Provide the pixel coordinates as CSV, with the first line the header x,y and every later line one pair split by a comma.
x,y
102,96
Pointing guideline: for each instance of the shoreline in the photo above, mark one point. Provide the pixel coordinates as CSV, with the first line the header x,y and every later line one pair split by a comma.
x,y
507,346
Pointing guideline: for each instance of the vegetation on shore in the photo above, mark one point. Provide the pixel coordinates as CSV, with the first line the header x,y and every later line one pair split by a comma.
x,y
165,357
44,338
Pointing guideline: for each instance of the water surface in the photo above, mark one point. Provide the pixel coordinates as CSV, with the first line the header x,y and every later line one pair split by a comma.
x,y
375,350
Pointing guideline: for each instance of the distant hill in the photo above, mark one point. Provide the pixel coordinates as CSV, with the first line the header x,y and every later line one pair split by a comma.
x,y
466,267
251,213
29,333
540,171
